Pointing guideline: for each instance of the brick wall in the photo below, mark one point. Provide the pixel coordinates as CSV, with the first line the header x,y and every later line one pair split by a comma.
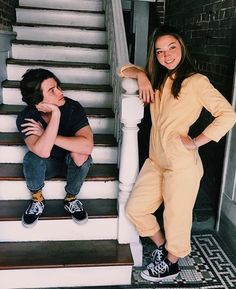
x,y
7,14
208,27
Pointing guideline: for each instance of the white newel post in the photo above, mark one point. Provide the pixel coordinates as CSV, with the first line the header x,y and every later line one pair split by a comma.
x,y
131,114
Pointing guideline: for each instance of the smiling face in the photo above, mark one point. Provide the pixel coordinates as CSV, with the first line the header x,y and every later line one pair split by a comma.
x,y
52,93
168,51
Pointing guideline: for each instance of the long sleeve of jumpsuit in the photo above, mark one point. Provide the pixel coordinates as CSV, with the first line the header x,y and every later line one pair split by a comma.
x,y
172,173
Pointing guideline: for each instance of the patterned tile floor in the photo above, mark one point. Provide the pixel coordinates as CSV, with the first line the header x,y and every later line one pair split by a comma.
x,y
207,267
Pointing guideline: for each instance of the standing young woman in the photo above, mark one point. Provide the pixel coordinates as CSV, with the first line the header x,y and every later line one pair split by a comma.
x,y
172,173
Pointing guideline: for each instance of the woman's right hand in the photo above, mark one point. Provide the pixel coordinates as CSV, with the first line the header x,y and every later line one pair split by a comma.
x,y
146,93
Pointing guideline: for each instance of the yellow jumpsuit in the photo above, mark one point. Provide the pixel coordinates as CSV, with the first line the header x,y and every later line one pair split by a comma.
x,y
172,173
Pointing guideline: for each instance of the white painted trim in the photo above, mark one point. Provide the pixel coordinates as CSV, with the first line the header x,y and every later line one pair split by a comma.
x,y
65,277
226,160
58,230
17,190
100,154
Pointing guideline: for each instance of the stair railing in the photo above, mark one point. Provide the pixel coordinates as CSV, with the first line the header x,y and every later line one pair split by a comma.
x,y
128,110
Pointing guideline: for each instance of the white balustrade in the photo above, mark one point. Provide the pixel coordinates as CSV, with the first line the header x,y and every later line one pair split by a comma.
x,y
128,111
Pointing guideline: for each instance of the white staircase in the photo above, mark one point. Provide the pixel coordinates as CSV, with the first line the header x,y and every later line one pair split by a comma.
x,y
69,38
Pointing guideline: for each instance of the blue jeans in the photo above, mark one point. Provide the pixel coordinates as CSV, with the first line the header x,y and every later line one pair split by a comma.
x,y
37,170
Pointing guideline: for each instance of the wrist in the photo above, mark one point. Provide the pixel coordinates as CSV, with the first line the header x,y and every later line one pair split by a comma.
x,y
195,143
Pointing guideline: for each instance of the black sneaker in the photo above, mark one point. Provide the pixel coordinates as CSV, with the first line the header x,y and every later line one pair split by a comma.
x,y
161,271
158,255
32,214
77,211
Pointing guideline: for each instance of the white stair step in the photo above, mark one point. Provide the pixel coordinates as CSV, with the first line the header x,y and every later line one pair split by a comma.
x,y
15,154
94,229
85,98
88,5
58,53
72,18
56,224
98,125
60,34
54,189
66,74
65,277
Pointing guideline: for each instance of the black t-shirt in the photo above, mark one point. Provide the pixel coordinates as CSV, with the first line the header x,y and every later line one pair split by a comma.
x,y
73,118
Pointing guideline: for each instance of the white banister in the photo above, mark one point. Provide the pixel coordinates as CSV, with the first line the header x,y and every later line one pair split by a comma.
x,y
128,111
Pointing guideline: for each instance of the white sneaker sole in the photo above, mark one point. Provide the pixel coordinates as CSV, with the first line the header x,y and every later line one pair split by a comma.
x,y
156,279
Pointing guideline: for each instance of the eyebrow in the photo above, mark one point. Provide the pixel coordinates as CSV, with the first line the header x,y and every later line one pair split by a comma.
x,y
51,88
156,48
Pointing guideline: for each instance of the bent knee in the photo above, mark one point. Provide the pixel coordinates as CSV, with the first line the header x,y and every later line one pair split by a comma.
x,y
79,159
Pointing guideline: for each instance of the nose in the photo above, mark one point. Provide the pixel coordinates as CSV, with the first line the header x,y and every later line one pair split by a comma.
x,y
166,53
58,90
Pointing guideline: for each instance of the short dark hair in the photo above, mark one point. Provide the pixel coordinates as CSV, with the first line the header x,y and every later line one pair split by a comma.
x,y
30,85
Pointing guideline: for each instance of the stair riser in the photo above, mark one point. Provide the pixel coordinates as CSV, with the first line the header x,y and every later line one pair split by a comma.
x,y
59,53
17,190
15,154
60,17
66,277
91,5
60,35
85,98
55,230
98,125
65,74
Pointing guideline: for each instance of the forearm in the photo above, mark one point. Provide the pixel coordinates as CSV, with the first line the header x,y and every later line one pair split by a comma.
x,y
75,144
45,142
201,140
132,72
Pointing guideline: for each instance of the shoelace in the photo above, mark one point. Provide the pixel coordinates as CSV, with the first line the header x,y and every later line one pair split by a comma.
x,y
36,208
76,206
161,268
156,258
157,255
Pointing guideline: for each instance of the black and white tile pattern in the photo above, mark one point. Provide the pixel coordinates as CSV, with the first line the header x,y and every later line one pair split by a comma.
x,y
207,267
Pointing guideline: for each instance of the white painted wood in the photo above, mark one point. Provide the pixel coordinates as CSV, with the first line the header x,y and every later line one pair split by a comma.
x,y
227,203
131,114
59,53
99,125
137,252
15,154
85,98
65,277
60,34
5,46
87,5
55,230
17,190
65,74
40,16
67,229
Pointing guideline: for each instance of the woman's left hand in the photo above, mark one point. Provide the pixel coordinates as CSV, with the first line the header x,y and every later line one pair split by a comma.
x,y
188,142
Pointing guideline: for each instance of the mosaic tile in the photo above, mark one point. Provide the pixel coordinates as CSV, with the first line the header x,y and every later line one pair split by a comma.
x,y
207,267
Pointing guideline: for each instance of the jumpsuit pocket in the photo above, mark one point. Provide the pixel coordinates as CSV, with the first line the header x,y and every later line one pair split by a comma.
x,y
192,152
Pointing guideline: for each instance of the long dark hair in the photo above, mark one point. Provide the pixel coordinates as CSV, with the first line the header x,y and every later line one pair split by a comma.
x,y
157,73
